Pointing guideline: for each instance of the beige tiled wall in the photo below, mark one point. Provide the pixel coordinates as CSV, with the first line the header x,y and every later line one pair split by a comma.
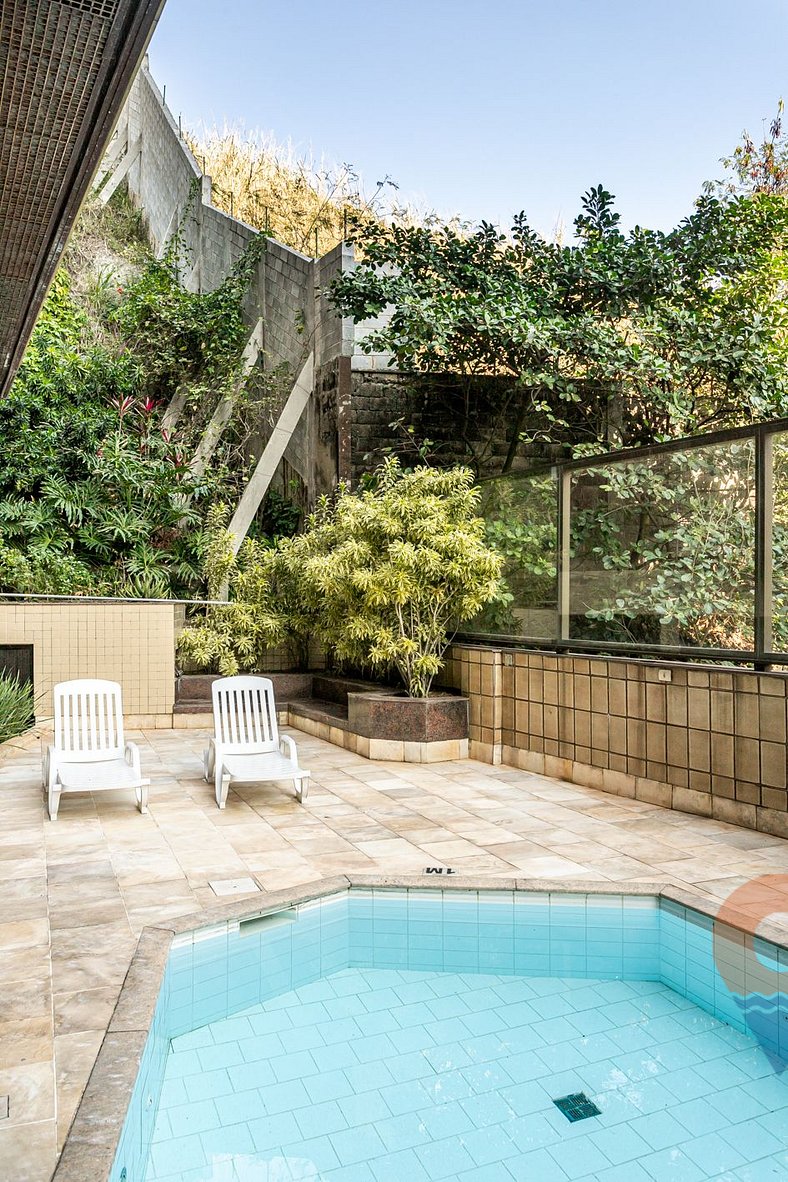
x,y
133,644
709,740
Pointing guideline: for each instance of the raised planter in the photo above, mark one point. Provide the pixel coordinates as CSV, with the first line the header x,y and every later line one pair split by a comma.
x,y
361,716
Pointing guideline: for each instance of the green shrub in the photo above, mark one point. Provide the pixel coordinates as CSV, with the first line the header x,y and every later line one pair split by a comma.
x,y
381,577
16,707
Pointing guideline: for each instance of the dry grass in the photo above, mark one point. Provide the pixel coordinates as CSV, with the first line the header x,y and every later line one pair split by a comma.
x,y
301,202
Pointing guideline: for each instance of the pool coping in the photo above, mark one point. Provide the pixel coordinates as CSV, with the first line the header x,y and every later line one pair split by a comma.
x,y
91,1144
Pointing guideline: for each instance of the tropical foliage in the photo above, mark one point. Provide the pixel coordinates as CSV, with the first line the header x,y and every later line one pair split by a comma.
x,y
95,494
381,577
16,706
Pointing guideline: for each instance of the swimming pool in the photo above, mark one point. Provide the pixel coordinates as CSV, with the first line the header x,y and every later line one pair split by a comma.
x,y
377,1035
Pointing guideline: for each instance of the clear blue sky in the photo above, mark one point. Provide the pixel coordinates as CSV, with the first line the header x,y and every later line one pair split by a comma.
x,y
487,108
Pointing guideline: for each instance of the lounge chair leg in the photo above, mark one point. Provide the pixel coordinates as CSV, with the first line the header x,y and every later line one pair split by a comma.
x,y
53,802
142,798
208,763
301,789
222,788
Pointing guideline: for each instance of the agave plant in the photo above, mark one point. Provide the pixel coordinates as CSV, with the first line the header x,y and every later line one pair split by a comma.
x,y
16,706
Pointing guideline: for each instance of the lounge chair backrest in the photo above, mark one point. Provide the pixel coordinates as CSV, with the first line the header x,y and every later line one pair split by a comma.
x,y
244,714
88,720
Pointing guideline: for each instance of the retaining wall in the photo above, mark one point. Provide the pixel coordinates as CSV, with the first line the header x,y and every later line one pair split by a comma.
x,y
709,740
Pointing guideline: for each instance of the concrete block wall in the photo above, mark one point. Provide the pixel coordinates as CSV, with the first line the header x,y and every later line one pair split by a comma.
x,y
709,740
131,643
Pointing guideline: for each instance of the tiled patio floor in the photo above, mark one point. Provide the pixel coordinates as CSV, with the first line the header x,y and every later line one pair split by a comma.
x,y
77,893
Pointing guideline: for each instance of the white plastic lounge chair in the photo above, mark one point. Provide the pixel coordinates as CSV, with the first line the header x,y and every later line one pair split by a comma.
x,y
89,753
247,745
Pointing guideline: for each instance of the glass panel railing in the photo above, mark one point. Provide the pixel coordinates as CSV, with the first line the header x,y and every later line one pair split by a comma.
x,y
662,548
522,518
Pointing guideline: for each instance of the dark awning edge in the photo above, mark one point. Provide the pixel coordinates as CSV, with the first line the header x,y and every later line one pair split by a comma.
x,y
125,46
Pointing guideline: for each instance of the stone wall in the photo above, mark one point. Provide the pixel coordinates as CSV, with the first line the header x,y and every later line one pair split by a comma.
x,y
131,643
469,424
707,740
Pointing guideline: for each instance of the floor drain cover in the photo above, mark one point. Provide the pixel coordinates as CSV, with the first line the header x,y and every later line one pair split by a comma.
x,y
577,1107
233,886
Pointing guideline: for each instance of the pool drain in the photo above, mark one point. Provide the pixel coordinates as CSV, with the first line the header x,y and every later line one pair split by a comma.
x,y
577,1107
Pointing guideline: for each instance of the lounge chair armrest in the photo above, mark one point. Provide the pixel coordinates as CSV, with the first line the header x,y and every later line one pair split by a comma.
x,y
132,756
287,747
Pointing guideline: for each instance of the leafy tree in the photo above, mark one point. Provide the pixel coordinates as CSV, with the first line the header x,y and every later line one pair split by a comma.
x,y
618,339
381,577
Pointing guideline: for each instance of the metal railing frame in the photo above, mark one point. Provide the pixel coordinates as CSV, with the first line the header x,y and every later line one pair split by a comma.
x,y
762,654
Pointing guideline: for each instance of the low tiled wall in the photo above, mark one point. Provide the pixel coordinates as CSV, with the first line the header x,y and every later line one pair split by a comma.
x,y
132,643
702,739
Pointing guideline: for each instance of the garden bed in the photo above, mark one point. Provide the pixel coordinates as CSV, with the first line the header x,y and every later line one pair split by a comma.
x,y
362,716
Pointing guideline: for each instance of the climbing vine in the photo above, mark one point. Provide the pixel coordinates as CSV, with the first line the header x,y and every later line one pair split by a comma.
x,y
96,494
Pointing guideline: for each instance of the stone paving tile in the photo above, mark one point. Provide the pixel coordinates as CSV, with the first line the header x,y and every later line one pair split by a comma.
x,y
77,893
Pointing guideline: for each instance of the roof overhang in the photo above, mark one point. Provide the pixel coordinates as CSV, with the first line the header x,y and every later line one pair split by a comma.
x,y
65,69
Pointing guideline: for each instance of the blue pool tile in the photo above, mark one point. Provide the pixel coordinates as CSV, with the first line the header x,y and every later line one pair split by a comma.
x,y
649,1095
700,1117
240,1106
180,1153
526,1098
631,1171
410,1097
216,1057
487,1109
403,1068
714,1154
495,1172
235,1138
402,1132
525,1066
579,1158
332,1058
282,1097
250,1075
317,1119
261,1047
173,1092
358,1145
328,1085
204,1084
445,1120
535,1131
363,1108
620,1144
394,1167
672,1165
660,1130
293,1067
538,1165
268,1132
358,1076
302,1039
186,1119
444,1159
318,1151
407,1040
751,1140
488,1077
488,1145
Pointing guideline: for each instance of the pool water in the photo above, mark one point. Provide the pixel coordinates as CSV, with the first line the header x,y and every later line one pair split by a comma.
x,y
402,1036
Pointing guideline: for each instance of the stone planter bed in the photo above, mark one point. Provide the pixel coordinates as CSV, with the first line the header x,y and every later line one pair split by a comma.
x,y
361,716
